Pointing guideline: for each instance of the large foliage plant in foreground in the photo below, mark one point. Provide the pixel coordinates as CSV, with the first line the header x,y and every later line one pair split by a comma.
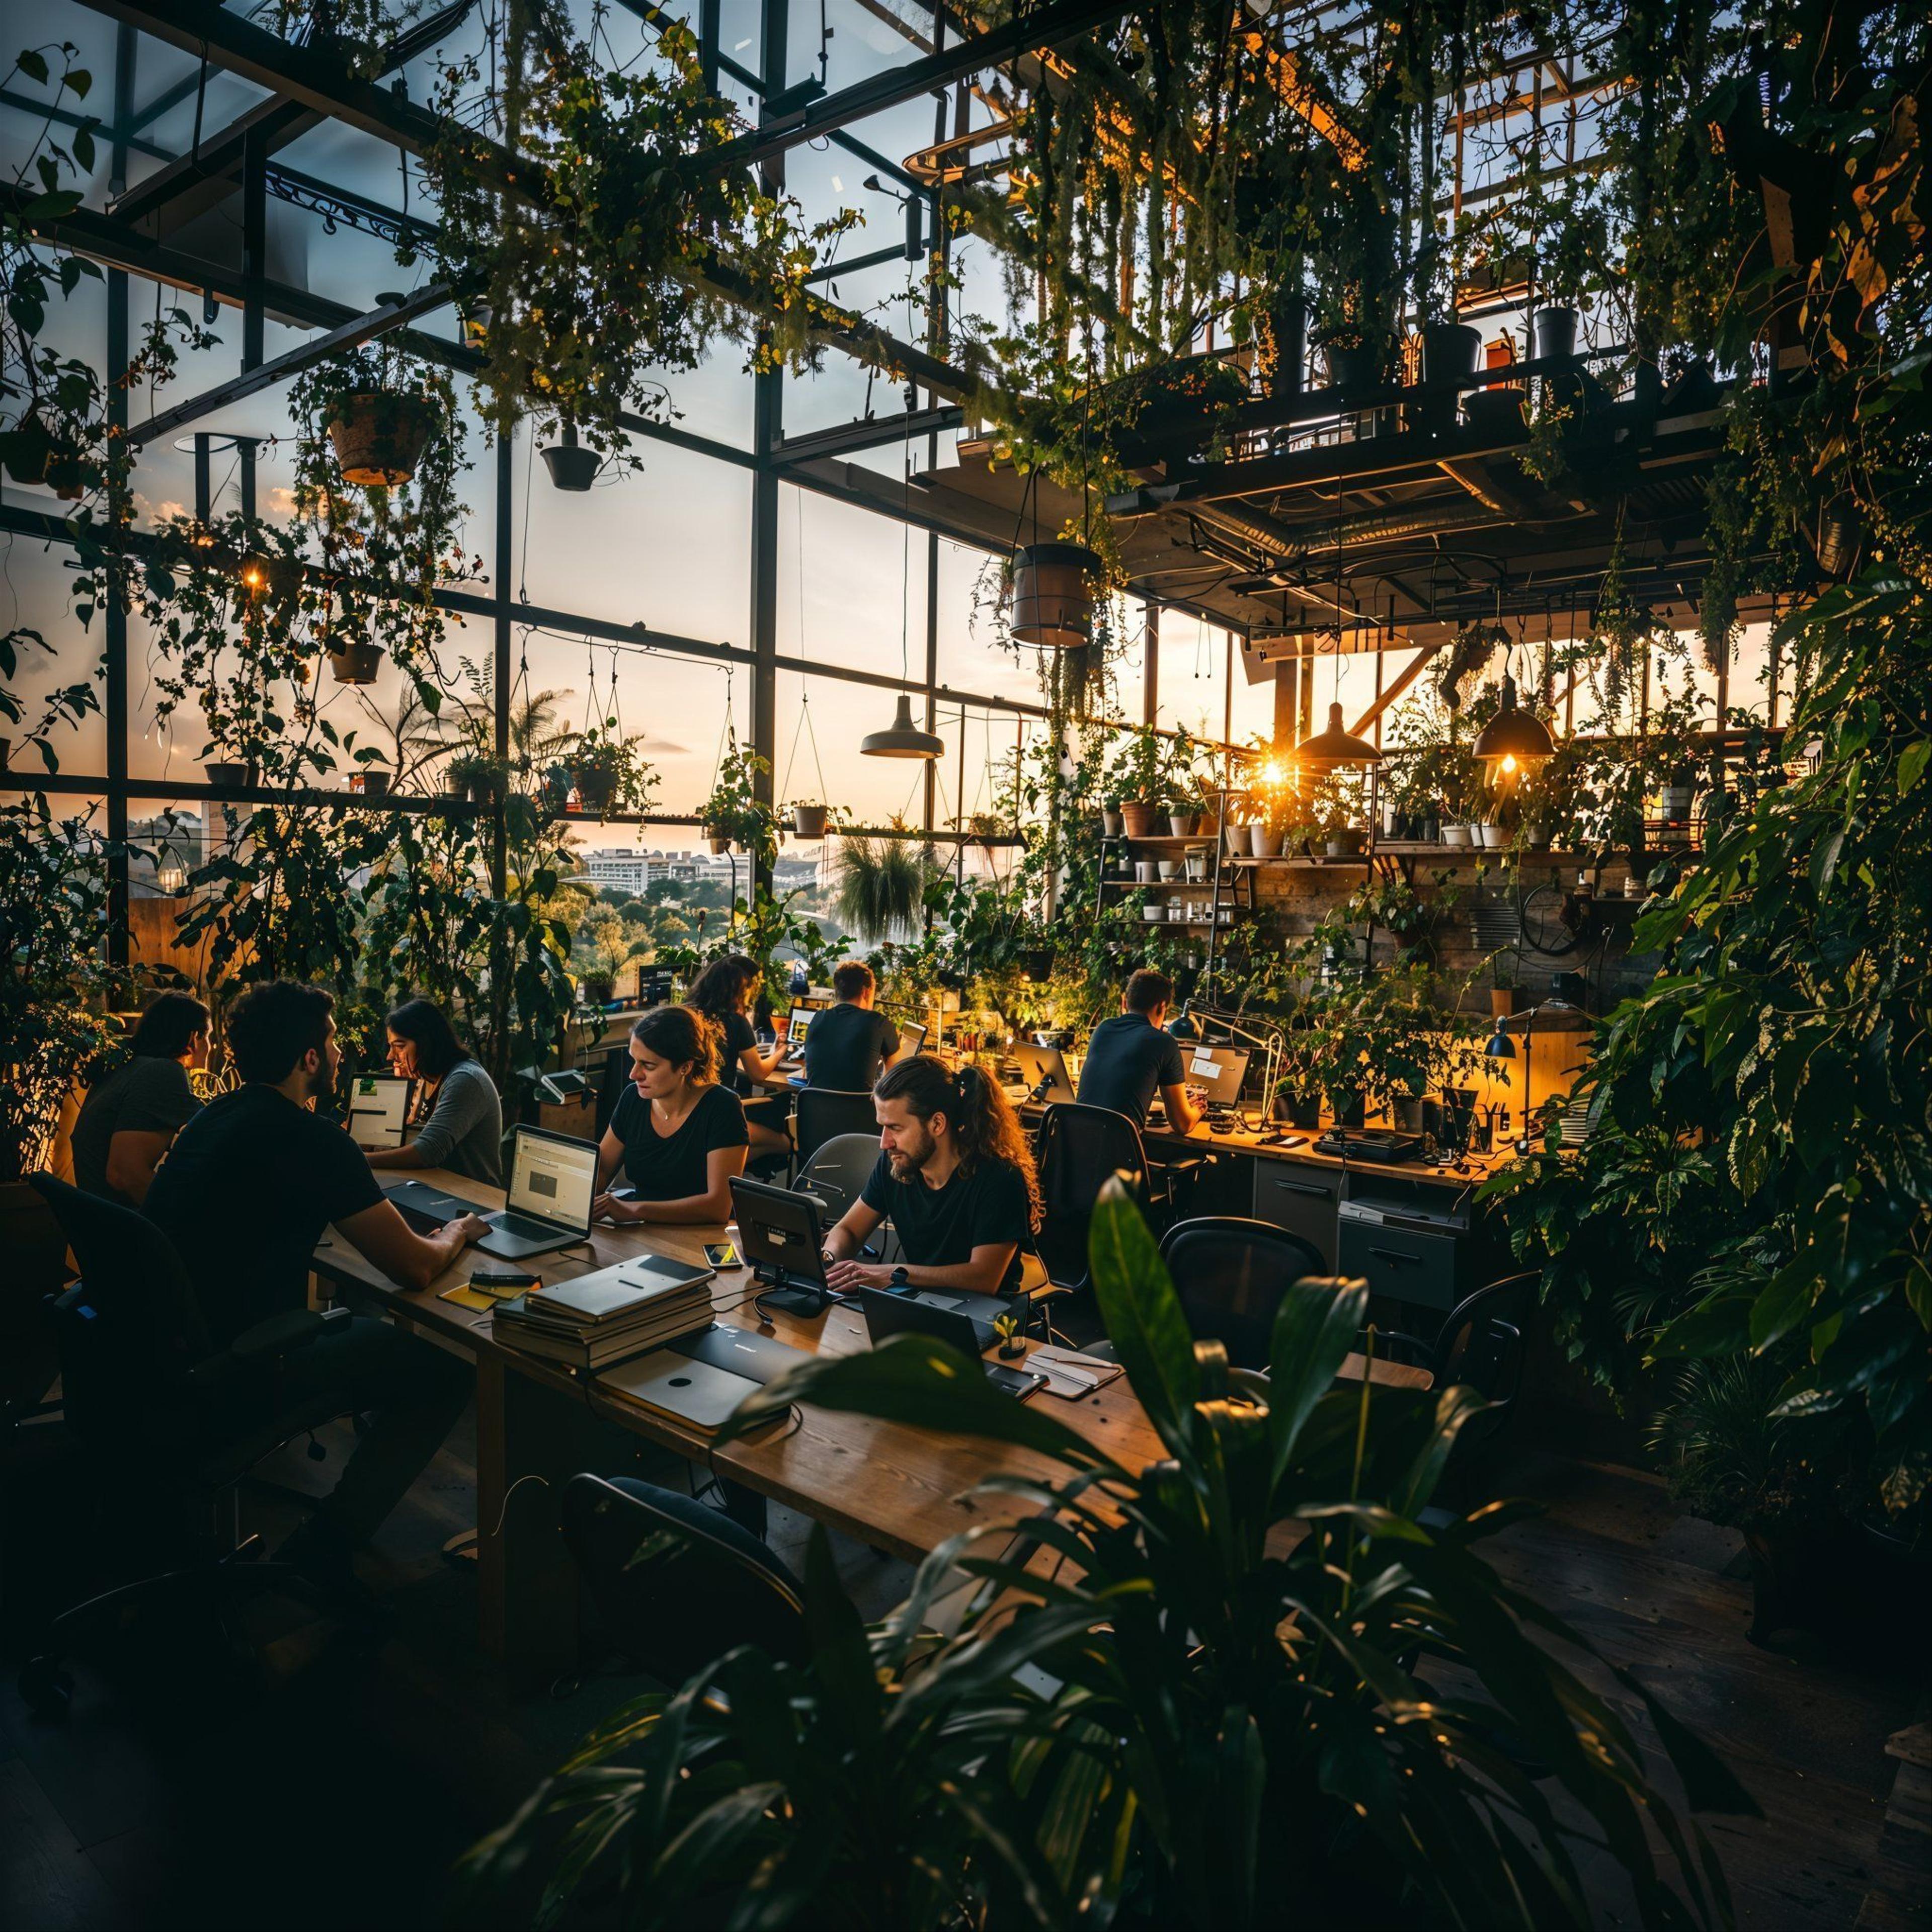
x,y
1243,1681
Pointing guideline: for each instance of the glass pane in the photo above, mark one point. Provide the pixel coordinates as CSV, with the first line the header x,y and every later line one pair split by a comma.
x,y
851,586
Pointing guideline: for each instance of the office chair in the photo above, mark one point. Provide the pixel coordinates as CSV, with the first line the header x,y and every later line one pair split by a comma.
x,y
675,1582
1481,1345
1231,1273
139,1374
1079,1151
823,1113
836,1174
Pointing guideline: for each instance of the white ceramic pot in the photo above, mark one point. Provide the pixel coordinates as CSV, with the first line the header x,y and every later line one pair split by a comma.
x,y
1265,842
1169,868
1455,835
1492,837
1145,872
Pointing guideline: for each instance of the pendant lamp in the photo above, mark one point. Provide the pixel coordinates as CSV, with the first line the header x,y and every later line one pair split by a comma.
x,y
1337,745
902,738
1513,732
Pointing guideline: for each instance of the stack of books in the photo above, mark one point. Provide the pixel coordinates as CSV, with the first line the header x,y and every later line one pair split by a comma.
x,y
629,1309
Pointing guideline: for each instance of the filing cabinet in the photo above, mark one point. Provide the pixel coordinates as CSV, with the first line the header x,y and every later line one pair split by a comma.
x,y
1303,1200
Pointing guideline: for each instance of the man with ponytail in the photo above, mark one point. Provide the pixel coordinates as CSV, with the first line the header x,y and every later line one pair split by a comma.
x,y
956,1177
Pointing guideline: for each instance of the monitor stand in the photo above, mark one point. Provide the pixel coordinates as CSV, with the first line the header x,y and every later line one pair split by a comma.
x,y
808,1302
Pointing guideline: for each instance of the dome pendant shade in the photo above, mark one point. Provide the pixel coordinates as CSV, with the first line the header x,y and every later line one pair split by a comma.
x,y
1513,732
904,740
1337,745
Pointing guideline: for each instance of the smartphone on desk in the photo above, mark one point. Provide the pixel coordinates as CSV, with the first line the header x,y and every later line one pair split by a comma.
x,y
722,1255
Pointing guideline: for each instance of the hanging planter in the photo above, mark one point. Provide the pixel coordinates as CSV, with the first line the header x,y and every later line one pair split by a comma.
x,y
231,774
808,821
355,664
35,455
1053,595
1036,964
1552,334
571,466
719,843
380,435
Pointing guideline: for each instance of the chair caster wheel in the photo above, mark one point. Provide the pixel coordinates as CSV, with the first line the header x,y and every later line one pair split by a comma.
x,y
46,1689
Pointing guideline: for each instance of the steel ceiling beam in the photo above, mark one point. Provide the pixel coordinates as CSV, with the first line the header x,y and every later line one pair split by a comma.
x,y
251,382
848,437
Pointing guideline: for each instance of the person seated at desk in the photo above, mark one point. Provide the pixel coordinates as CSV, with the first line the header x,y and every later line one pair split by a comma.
x,y
1132,1054
463,1129
130,1117
850,1042
678,1134
955,1174
723,993
244,1194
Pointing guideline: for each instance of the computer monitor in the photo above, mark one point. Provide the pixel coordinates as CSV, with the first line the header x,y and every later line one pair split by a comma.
x,y
912,1038
1219,1070
379,1110
1043,1068
778,1232
552,1178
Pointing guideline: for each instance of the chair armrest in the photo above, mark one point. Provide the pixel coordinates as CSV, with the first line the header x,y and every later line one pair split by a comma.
x,y
267,1341
1391,1346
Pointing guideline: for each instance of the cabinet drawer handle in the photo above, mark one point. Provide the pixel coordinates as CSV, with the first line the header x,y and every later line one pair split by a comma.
x,y
1305,1187
1396,1255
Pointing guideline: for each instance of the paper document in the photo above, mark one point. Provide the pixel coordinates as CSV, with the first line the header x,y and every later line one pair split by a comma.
x,y
1069,1373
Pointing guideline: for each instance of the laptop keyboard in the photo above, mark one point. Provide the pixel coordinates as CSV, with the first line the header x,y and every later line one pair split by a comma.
x,y
523,1227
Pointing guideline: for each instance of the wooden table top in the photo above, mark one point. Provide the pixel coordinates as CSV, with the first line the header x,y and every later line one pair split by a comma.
x,y
888,1484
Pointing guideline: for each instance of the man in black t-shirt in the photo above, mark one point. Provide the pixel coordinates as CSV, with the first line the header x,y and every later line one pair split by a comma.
x,y
245,1193
849,1043
1132,1054
955,1177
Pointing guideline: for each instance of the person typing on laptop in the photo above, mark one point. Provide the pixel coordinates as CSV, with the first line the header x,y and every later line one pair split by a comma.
x,y
678,1136
1132,1054
463,1127
245,1194
956,1176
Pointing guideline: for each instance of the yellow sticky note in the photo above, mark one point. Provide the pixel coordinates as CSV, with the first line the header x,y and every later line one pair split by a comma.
x,y
466,1297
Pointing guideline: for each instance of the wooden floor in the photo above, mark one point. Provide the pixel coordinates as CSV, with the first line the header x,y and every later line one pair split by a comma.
x,y
340,1793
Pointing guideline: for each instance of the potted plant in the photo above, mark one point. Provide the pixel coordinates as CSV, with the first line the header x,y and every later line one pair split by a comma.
x,y
606,771
476,776
734,812
356,663
1112,824
1139,777
809,818
379,412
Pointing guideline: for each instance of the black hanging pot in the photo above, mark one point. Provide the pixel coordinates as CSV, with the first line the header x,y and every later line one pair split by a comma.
x,y
1036,964
1552,334
571,466
379,436
594,789
1053,595
355,664
1449,350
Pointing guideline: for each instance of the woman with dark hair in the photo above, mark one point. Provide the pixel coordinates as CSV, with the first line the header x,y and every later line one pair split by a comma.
x,y
956,1177
723,993
678,1134
459,1111
129,1118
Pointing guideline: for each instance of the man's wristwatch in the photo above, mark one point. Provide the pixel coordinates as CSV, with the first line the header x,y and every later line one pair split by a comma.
x,y
899,1277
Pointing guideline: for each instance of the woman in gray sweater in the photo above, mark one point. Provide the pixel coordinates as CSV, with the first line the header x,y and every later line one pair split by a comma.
x,y
461,1117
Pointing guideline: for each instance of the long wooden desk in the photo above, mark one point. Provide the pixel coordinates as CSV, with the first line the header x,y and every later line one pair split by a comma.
x,y
898,1488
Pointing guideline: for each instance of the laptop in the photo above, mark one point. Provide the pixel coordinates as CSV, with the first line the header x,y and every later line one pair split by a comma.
x,y
742,1351
553,1181
1220,1070
912,1038
779,1234
887,1314
1043,1068
677,1386
379,1109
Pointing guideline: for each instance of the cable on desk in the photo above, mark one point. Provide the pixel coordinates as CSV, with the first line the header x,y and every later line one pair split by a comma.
x,y
543,1481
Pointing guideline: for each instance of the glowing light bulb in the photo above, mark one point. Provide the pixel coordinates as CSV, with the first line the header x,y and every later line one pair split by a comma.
x,y
1509,766
1272,773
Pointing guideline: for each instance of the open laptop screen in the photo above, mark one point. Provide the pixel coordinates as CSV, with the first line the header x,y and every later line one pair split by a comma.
x,y
553,1177
378,1110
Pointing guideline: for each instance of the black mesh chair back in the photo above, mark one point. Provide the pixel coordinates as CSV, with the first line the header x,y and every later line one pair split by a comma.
x,y
131,1329
612,1081
824,1111
675,1582
1230,1274
1483,1345
1079,1149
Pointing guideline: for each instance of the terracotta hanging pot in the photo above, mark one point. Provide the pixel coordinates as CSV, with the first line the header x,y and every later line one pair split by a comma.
x,y
1053,595
379,436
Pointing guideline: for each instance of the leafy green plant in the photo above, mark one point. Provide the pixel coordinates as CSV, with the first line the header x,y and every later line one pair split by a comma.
x,y
1218,1697
610,772
735,810
879,886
